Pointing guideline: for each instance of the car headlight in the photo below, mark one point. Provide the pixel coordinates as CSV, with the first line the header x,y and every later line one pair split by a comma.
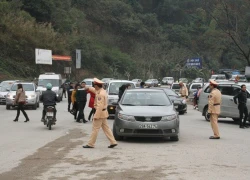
x,y
184,101
169,118
126,117
32,96
9,96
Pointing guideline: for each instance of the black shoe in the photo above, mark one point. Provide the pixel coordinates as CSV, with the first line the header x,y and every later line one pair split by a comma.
x,y
212,137
78,121
242,127
84,121
246,126
15,120
87,146
27,120
112,145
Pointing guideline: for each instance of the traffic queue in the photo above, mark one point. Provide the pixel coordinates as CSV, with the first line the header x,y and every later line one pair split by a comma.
x,y
143,109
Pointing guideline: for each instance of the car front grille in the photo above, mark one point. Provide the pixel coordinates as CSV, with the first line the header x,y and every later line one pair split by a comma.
x,y
148,131
147,119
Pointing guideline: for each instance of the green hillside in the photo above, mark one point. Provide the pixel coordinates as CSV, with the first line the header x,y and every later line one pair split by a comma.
x,y
124,38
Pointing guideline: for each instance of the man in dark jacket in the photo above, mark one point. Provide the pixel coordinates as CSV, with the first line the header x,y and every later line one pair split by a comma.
x,y
48,98
81,99
242,105
69,92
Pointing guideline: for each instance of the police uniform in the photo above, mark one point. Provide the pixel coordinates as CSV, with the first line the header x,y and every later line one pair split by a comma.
x,y
214,104
183,90
100,117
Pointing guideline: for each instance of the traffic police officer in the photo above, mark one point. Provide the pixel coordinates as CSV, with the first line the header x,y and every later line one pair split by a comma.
x,y
183,90
242,101
101,115
214,102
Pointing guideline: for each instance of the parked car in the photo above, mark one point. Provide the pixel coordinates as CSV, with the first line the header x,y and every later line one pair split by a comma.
x,y
179,103
32,95
242,78
193,88
4,87
152,82
198,80
137,81
88,82
112,89
146,113
184,80
228,108
167,81
218,77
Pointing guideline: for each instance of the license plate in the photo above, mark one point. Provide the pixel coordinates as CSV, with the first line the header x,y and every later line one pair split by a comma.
x,y
49,113
148,126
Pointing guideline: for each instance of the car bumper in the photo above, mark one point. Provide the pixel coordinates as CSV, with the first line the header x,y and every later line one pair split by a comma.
x,y
2,100
180,107
29,102
133,129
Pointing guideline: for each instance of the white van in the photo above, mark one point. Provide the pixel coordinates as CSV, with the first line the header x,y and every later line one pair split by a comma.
x,y
55,80
167,81
112,89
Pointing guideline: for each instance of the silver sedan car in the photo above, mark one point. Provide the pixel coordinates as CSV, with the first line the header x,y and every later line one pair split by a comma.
x,y
32,95
146,113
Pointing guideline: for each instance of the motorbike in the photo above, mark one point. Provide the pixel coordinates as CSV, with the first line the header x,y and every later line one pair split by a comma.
x,y
49,117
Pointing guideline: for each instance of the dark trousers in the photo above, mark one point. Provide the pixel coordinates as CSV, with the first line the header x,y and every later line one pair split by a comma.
x,y
91,113
44,111
75,107
69,103
81,106
20,107
243,110
64,93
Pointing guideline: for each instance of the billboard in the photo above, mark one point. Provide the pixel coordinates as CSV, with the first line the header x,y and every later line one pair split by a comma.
x,y
194,62
78,59
43,56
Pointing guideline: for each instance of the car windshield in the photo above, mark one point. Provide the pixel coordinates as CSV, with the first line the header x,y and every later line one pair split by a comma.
x,y
165,78
89,83
5,85
176,86
149,80
26,87
195,86
149,98
44,82
135,80
170,92
114,87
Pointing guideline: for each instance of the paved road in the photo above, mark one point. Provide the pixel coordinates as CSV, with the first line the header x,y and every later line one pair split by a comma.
x,y
30,151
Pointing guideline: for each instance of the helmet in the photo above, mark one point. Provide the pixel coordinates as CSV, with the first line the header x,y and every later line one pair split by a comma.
x,y
49,86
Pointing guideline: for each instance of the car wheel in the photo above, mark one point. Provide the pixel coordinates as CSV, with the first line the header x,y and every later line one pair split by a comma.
x,y
236,119
206,114
8,107
117,137
174,138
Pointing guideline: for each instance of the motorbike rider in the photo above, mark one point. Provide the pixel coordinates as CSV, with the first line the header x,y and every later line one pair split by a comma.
x,y
48,98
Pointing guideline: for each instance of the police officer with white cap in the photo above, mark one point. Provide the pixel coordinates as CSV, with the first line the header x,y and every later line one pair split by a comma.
x,y
214,102
101,115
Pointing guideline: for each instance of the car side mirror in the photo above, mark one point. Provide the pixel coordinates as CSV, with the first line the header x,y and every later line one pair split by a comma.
x,y
7,89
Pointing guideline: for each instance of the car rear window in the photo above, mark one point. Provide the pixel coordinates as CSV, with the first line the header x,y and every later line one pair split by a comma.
x,y
176,86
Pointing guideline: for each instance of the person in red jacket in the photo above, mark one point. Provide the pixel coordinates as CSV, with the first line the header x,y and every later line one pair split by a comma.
x,y
91,104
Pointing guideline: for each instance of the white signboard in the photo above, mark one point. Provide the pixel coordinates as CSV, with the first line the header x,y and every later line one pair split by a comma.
x,y
67,70
43,56
78,59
